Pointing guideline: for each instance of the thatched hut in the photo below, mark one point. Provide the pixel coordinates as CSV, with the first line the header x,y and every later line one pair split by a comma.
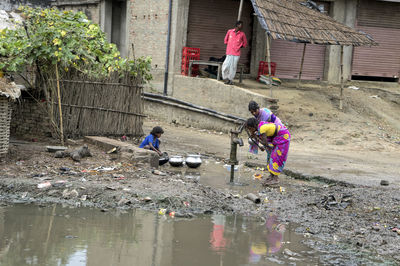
x,y
8,92
300,21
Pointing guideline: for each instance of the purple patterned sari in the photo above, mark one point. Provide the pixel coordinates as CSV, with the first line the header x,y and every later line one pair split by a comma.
x,y
279,144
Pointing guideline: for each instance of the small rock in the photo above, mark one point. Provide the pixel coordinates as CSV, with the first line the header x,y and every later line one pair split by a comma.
x,y
104,210
74,193
70,194
290,253
310,114
123,201
376,228
157,172
147,199
384,183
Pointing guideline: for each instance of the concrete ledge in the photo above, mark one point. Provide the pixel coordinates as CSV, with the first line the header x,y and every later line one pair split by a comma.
x,y
186,116
128,151
216,95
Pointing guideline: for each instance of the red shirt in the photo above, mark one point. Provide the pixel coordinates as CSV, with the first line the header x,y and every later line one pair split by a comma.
x,y
234,41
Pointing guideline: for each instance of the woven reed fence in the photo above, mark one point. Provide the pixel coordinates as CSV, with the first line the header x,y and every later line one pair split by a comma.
x,y
5,118
109,106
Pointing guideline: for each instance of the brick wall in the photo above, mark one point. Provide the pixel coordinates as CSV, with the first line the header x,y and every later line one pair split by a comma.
x,y
92,11
29,118
148,26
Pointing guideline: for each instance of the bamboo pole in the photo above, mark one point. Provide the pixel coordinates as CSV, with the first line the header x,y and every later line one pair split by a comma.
x,y
53,213
301,65
59,107
269,64
240,10
341,78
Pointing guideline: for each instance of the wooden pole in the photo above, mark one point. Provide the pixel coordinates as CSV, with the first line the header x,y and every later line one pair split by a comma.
x,y
53,213
341,78
269,64
59,106
301,66
240,10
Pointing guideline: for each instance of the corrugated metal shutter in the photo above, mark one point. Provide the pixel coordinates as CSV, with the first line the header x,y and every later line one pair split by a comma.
x,y
209,20
287,56
382,21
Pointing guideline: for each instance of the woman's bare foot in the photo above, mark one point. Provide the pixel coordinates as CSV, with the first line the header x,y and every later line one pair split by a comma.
x,y
272,180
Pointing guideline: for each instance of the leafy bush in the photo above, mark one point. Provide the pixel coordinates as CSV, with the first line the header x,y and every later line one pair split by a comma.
x,y
67,38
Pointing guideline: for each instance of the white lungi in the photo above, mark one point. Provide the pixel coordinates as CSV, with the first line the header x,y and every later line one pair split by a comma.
x,y
229,67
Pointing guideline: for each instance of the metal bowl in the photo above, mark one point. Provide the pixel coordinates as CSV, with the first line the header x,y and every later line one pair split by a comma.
x,y
163,159
193,160
193,165
176,161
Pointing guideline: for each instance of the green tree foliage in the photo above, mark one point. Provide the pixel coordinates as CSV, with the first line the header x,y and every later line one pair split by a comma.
x,y
68,38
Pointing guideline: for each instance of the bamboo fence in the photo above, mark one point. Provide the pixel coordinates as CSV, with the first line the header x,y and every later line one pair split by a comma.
x,y
110,106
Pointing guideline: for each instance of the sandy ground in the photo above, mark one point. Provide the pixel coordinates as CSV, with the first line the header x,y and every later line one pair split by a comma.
x,y
360,144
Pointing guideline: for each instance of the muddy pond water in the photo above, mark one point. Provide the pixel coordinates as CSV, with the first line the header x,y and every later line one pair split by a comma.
x,y
57,235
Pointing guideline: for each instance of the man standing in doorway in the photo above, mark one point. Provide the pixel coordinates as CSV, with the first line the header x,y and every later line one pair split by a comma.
x,y
234,40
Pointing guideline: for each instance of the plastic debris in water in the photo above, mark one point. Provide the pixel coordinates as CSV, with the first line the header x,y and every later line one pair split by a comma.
x,y
186,203
162,211
172,214
282,189
266,200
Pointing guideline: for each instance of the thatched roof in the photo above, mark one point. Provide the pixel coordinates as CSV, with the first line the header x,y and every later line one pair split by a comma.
x,y
290,20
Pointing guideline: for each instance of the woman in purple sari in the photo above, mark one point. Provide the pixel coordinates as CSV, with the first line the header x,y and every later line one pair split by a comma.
x,y
276,139
262,115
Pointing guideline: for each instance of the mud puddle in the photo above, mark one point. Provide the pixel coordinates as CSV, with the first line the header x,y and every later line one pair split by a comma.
x,y
216,174
63,236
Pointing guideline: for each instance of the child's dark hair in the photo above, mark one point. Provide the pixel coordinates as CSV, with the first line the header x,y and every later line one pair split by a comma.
x,y
252,122
157,130
253,106
239,23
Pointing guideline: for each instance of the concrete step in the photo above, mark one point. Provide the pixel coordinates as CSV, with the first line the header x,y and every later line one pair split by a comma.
x,y
128,151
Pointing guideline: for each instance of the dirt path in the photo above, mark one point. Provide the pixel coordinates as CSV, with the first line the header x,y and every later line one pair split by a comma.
x,y
336,162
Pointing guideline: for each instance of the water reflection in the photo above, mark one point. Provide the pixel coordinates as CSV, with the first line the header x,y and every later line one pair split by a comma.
x,y
218,241
63,236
